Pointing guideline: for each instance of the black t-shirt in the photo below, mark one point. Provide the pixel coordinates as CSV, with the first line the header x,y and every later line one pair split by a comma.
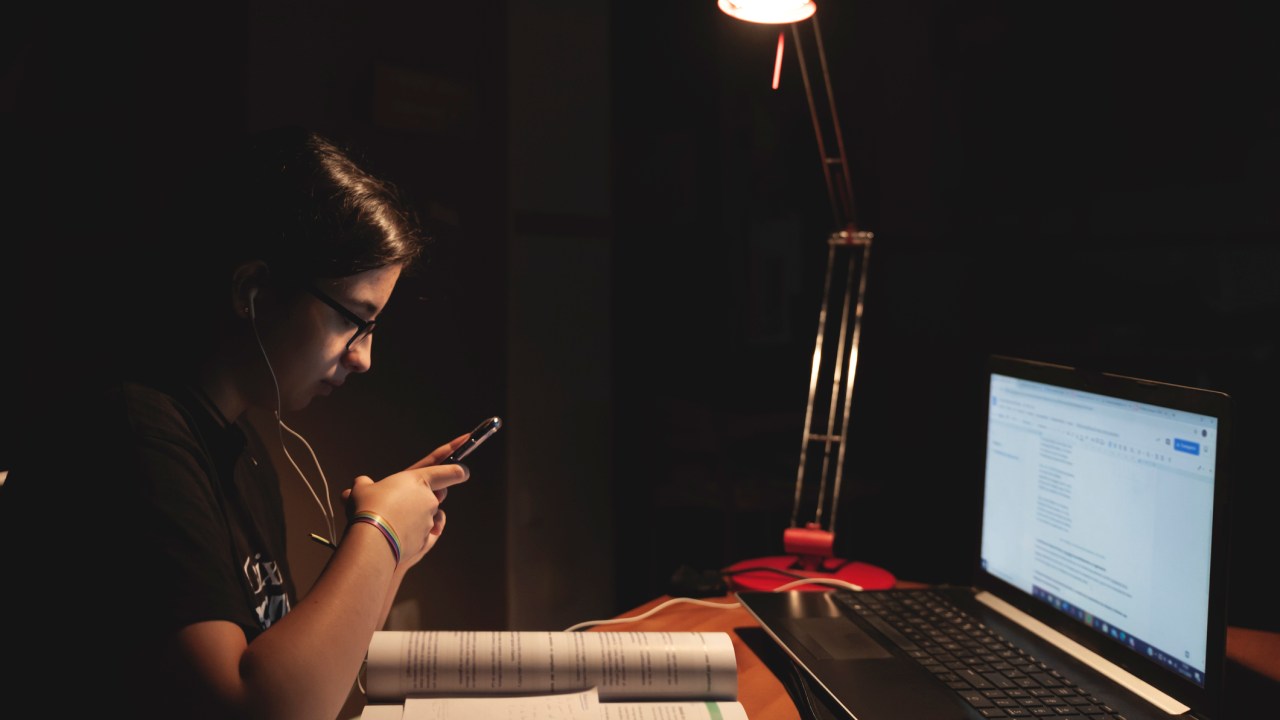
x,y
135,515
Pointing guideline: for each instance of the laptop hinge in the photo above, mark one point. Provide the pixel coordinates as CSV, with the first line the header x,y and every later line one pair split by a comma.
x,y
1125,678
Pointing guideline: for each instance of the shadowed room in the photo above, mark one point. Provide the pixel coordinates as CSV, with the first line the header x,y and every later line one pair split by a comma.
x,y
629,232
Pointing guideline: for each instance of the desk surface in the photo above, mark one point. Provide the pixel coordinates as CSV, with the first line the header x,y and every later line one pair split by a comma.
x,y
764,697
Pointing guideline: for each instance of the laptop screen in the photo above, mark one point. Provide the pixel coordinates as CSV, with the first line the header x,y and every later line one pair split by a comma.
x,y
1101,508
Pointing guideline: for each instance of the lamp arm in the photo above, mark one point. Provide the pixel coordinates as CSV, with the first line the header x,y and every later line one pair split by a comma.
x,y
835,171
853,370
839,189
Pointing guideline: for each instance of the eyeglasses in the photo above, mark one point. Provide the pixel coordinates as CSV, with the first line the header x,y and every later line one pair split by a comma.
x,y
363,327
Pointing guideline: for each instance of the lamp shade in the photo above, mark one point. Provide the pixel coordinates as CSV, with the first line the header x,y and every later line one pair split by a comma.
x,y
771,12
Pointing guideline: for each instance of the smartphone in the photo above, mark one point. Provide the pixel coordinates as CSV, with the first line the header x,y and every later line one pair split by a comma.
x,y
483,431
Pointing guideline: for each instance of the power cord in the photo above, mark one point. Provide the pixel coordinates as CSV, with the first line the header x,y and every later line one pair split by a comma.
x,y
819,581
761,568
672,601
727,606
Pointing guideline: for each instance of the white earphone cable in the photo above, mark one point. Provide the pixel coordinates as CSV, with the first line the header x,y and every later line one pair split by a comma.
x,y
328,496
328,514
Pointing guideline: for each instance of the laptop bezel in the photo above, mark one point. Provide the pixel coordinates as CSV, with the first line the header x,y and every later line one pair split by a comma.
x,y
1208,699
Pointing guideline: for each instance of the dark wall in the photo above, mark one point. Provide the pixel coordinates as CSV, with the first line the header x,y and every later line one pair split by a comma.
x,y
107,114
1081,187
1096,190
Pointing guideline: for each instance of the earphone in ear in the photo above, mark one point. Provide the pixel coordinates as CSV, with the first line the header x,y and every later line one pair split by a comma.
x,y
252,293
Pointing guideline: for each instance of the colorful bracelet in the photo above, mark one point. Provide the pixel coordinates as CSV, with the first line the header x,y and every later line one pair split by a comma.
x,y
384,527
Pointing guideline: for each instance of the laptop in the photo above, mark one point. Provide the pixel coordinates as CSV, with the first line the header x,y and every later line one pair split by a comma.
x,y
1099,586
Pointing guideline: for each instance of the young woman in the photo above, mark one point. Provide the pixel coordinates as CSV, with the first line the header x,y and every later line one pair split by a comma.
x,y
145,555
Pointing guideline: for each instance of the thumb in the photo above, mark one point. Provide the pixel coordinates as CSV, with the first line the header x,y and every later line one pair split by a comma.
x,y
358,482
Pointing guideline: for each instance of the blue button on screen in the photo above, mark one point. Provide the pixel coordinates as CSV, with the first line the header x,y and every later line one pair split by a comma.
x,y
1186,446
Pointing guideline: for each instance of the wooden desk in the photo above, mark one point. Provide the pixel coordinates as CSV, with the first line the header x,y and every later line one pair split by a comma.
x,y
764,697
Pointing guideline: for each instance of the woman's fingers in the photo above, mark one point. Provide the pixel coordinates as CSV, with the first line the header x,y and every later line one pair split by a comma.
x,y
360,481
440,477
440,453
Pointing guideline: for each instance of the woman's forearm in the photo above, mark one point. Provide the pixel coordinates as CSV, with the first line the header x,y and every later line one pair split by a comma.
x,y
304,665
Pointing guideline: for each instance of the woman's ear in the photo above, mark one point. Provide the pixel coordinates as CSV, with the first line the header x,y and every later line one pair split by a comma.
x,y
246,280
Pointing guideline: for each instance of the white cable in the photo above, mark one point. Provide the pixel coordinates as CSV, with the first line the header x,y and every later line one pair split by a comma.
x,y
672,601
328,515
328,496
727,606
819,581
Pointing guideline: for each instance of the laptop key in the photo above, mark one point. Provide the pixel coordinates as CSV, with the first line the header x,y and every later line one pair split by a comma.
x,y
998,680
974,679
889,632
1046,680
994,693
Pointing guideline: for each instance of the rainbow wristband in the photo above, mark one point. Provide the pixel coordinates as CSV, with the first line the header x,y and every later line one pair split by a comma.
x,y
384,527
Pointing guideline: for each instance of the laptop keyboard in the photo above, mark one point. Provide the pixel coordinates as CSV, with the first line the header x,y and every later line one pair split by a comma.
x,y
988,672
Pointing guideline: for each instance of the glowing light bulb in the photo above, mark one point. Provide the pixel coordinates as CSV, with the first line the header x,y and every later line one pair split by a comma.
x,y
771,12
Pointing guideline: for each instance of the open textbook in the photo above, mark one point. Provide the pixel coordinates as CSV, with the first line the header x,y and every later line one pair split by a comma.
x,y
441,675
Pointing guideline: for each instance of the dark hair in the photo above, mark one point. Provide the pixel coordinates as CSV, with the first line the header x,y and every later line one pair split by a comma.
x,y
289,197
297,201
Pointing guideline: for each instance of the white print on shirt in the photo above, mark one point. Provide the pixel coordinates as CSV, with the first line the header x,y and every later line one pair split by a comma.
x,y
274,605
254,571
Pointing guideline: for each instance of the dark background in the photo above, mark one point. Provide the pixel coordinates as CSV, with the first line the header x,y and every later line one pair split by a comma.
x,y
1094,188
1091,186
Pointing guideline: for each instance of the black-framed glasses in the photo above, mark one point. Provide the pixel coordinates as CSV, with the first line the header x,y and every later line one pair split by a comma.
x,y
363,327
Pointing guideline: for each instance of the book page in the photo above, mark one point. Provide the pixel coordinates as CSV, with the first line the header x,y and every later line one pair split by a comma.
x,y
582,705
388,711
524,707
707,710
621,665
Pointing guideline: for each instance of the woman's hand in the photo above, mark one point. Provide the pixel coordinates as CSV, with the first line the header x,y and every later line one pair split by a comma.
x,y
410,500
440,453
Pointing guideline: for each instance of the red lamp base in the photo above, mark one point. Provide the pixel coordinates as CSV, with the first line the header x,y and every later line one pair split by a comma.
x,y
763,574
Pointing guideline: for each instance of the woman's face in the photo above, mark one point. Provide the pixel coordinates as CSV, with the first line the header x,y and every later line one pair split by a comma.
x,y
306,341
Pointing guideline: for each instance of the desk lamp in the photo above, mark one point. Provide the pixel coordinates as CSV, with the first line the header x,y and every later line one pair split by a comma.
x,y
809,547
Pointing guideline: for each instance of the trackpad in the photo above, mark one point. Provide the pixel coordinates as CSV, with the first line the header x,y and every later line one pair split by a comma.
x,y
835,639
